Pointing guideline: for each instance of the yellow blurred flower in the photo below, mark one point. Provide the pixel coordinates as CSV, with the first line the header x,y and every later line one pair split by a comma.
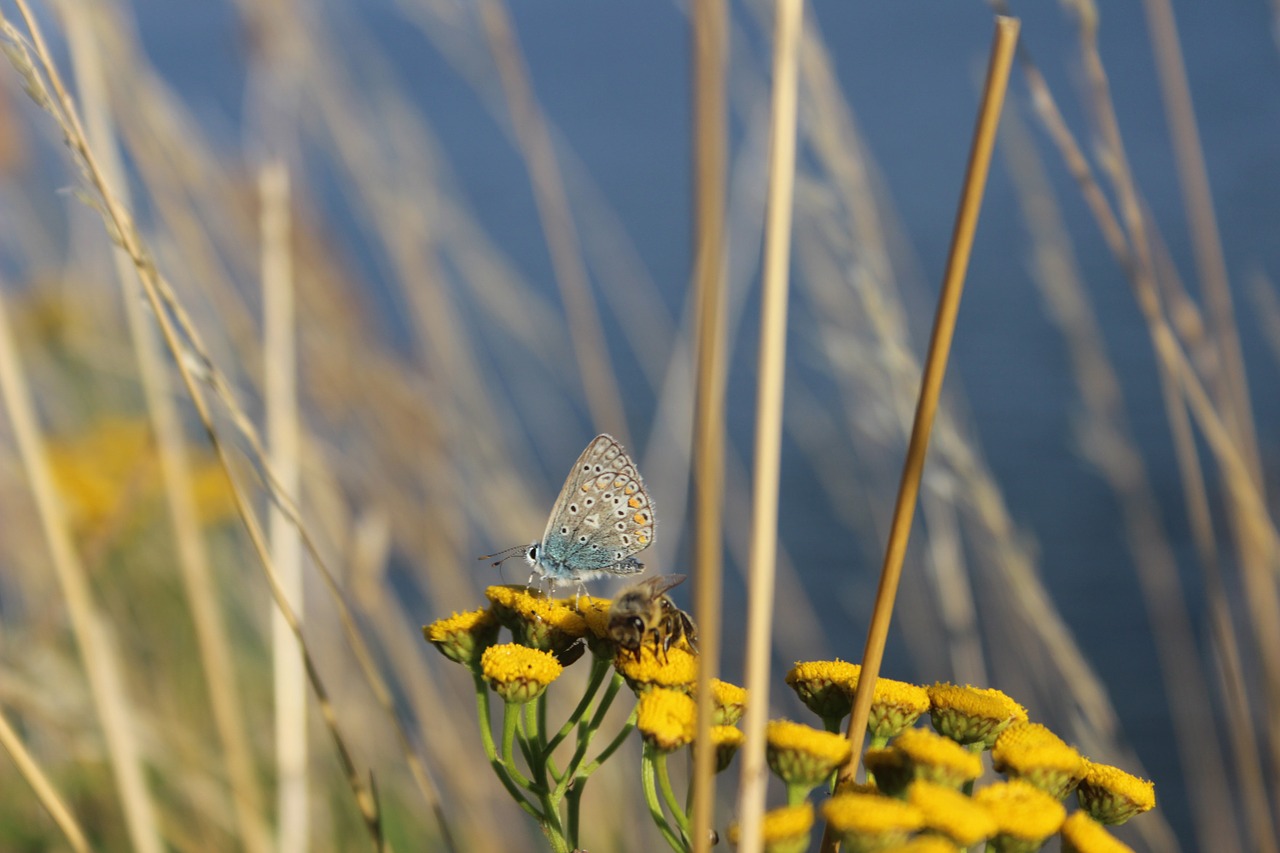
x,y
1112,796
1082,834
1025,816
518,673
866,822
785,830
113,465
802,755
1031,751
463,636
972,714
923,844
668,719
951,813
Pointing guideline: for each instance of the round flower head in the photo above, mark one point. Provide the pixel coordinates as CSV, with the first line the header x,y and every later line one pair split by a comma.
x,y
727,740
1031,751
1025,816
730,701
518,673
802,755
463,637
1083,834
677,669
825,687
895,706
948,812
668,719
867,822
936,758
1112,796
891,770
785,830
972,714
535,620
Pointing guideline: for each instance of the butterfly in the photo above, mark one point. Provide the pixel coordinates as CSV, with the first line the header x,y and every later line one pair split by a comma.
x,y
602,518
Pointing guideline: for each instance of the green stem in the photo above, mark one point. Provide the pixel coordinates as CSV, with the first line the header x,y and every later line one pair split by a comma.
x,y
599,669
484,712
669,796
510,718
977,749
651,799
832,724
797,794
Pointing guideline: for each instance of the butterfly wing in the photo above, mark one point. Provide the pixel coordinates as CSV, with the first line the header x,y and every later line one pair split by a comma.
x,y
602,517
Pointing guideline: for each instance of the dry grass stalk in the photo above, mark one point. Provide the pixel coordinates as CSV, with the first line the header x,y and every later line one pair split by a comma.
x,y
768,421
710,60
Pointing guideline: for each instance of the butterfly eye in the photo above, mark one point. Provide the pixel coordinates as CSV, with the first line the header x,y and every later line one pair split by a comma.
x,y
533,552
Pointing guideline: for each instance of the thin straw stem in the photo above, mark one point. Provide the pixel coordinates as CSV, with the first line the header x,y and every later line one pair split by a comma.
x,y
97,651
43,788
1006,37
768,443
709,153
281,404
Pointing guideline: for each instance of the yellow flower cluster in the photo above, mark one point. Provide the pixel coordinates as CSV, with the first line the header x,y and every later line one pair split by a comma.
x,y
1082,834
535,620
677,669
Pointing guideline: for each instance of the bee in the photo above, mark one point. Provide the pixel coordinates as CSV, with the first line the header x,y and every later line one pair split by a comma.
x,y
644,610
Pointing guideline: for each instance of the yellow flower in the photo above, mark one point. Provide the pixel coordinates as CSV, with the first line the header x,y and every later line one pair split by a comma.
x,y
825,686
728,741
518,673
1112,796
1025,816
866,822
730,701
972,714
668,719
951,813
677,669
936,758
463,636
785,830
890,768
802,755
112,467
595,614
1031,751
535,620
895,706
1083,834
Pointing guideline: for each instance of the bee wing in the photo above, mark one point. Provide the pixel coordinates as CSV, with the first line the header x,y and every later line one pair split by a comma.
x,y
659,584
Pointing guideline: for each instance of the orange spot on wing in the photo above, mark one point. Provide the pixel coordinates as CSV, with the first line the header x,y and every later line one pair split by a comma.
x,y
640,518
633,503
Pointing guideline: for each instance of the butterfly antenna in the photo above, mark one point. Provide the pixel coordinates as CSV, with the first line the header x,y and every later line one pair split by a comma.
x,y
504,555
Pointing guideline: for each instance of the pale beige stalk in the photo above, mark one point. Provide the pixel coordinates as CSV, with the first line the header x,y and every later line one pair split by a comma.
x,y
710,59
768,444
280,398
